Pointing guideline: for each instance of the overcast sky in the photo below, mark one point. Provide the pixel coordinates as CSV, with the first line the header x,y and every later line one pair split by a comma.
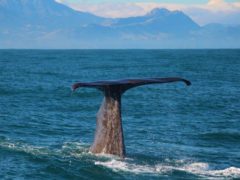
x,y
201,11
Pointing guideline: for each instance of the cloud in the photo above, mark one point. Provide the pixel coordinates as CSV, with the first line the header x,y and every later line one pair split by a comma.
x,y
112,9
214,11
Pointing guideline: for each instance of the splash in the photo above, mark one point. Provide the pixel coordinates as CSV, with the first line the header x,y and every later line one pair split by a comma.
x,y
79,150
197,168
117,165
204,170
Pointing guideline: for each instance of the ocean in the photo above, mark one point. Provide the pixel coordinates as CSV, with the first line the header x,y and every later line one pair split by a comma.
x,y
171,131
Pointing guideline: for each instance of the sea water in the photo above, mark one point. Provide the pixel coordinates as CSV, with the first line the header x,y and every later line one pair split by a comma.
x,y
171,131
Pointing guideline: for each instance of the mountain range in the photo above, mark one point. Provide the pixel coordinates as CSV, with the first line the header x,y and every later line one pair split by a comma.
x,y
48,24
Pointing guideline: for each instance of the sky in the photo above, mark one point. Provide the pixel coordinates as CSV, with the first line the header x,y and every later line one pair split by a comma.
x,y
201,11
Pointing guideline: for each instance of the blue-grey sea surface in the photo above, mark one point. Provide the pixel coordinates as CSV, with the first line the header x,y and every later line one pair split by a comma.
x,y
171,131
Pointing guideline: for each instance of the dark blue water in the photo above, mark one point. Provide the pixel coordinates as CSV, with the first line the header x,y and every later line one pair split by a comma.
x,y
171,131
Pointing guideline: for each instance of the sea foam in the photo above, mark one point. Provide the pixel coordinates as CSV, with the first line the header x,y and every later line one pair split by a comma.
x,y
79,150
196,168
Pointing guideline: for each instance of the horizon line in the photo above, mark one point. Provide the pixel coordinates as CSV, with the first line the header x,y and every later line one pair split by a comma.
x,y
70,49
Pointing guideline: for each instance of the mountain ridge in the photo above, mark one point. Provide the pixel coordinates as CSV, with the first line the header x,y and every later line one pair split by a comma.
x,y
37,23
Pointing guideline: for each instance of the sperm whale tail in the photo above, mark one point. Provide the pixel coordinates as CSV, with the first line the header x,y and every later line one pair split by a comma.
x,y
109,137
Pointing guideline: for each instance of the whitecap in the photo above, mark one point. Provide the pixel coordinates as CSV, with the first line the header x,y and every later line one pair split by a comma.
x,y
229,172
20,147
197,168
68,149
204,170
117,165
79,150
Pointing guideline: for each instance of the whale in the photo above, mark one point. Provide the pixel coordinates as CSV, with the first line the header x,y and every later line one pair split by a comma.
x,y
109,137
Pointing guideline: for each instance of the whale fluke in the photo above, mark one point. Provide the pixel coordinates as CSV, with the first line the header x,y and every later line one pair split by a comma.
x,y
127,83
109,137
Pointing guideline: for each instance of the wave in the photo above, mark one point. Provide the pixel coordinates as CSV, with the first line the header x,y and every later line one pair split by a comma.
x,y
68,149
48,73
222,136
20,147
204,170
80,150
197,168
